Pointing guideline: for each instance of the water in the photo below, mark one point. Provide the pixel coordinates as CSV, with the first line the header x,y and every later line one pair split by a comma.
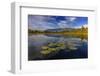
x,y
47,47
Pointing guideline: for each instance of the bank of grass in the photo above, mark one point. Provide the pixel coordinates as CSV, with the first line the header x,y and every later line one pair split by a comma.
x,y
81,33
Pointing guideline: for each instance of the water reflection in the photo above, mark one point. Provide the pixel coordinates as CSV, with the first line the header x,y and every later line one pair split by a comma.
x,y
45,47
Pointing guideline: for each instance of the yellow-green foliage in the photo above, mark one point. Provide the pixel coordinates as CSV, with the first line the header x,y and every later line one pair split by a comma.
x,y
54,47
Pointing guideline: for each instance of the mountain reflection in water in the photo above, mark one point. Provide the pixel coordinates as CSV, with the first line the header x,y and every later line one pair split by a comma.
x,y
46,47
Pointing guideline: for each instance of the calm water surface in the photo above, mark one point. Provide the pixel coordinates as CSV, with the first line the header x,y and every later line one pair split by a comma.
x,y
44,47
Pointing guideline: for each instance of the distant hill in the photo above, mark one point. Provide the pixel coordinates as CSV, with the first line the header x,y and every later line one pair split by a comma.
x,y
83,29
59,30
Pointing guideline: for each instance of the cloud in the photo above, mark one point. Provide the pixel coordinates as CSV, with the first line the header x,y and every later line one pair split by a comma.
x,y
40,22
85,25
68,22
63,24
70,18
41,26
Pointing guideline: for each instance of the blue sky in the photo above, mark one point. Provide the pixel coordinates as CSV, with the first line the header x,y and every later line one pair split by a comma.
x,y
43,22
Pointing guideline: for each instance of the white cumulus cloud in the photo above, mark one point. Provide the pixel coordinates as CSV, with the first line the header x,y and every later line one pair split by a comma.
x,y
70,18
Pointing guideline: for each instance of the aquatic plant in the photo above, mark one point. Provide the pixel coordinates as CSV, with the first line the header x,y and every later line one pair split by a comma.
x,y
54,47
